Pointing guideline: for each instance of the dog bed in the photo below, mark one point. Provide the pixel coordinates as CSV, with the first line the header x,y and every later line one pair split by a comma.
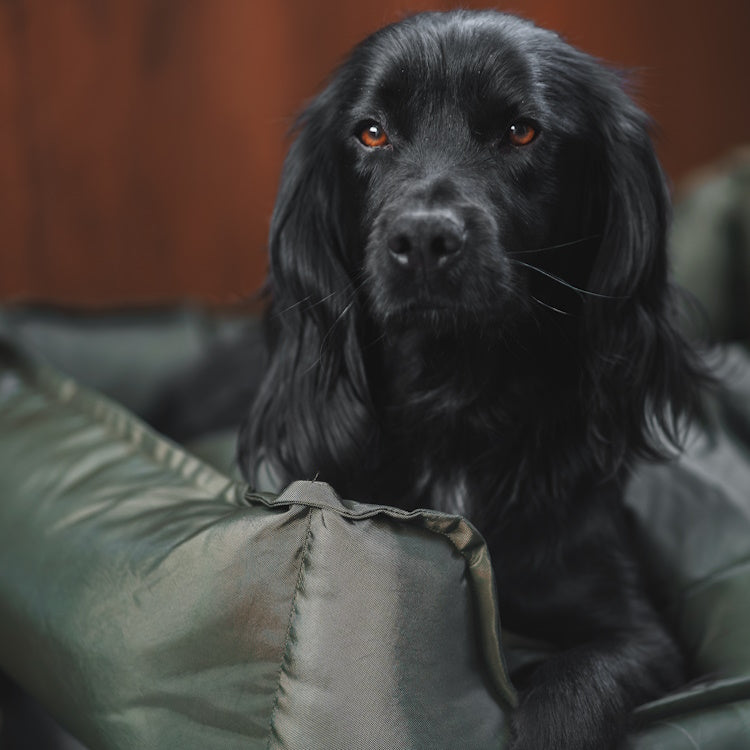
x,y
149,599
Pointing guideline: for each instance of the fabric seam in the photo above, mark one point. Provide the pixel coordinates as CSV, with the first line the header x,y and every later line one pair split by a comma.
x,y
123,425
510,694
290,624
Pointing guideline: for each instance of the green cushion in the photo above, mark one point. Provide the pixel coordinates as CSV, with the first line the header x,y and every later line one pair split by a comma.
x,y
127,354
150,601
694,520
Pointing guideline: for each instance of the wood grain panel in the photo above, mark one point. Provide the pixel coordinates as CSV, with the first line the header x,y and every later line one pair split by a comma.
x,y
141,140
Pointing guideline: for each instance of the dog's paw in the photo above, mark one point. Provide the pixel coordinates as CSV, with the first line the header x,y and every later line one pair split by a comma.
x,y
547,721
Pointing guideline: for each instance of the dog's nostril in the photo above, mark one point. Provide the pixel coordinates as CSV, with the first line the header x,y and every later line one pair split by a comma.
x,y
400,248
427,238
444,245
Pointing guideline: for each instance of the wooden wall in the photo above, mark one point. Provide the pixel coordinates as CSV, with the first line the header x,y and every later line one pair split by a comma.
x,y
141,140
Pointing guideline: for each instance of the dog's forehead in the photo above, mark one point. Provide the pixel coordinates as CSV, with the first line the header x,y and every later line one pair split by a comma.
x,y
491,63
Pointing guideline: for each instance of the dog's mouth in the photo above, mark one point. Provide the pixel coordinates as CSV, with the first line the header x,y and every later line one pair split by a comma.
x,y
467,298
437,315
433,313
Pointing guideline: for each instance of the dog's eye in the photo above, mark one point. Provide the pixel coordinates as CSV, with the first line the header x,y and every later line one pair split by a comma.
x,y
373,136
521,133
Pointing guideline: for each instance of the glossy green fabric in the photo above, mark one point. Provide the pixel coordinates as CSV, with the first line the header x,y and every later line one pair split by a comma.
x,y
150,601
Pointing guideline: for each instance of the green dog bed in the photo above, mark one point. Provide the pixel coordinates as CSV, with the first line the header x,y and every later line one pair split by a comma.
x,y
148,599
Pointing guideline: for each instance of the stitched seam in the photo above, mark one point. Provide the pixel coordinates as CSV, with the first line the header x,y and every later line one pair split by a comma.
x,y
507,683
462,553
290,623
119,422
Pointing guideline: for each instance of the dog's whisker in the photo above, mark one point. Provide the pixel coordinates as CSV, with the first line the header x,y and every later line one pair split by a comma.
x,y
338,319
304,301
550,307
567,284
293,306
559,246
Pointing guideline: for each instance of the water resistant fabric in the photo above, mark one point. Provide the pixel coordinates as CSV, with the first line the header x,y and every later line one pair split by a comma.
x,y
148,601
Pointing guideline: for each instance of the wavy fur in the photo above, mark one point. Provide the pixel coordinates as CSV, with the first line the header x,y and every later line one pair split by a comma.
x,y
514,379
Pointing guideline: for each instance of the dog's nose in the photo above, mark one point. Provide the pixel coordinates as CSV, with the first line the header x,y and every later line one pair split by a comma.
x,y
427,239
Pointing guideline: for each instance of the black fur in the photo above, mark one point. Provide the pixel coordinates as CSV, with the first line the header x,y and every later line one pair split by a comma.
x,y
475,325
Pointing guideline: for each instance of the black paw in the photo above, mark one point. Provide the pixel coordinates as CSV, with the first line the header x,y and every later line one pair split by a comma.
x,y
546,720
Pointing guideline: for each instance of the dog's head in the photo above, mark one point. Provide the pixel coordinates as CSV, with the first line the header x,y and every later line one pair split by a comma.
x,y
450,153
470,170
470,153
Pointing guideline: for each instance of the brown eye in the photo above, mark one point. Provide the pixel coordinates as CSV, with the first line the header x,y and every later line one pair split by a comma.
x,y
521,133
373,136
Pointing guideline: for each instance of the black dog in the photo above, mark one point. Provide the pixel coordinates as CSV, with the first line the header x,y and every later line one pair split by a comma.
x,y
471,313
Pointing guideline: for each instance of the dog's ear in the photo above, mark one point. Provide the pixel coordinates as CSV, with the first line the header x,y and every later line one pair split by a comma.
x,y
643,375
314,370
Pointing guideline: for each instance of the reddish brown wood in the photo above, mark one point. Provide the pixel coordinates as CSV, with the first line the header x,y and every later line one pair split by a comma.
x,y
141,141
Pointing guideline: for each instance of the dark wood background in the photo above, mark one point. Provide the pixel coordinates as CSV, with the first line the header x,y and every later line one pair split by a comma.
x,y
141,140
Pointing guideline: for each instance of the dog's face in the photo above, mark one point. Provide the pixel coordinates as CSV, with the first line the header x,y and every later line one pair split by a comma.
x,y
463,159
469,167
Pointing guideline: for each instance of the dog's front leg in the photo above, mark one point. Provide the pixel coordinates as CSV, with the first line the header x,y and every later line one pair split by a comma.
x,y
582,698
574,582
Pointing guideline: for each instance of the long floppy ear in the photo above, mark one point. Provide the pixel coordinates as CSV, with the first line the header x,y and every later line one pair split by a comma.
x,y
311,411
643,376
